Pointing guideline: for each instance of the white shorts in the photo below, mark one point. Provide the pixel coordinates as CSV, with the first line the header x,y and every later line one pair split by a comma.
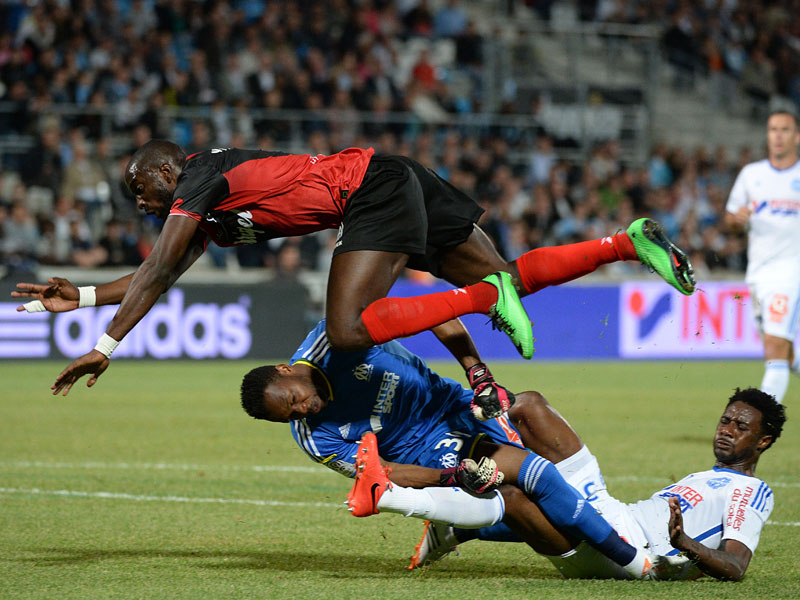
x,y
776,307
582,472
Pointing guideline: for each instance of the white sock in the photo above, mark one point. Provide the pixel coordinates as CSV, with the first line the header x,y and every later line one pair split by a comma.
x,y
776,378
444,504
638,567
795,368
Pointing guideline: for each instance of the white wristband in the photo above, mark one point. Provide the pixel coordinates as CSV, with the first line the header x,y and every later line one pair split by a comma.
x,y
87,297
106,345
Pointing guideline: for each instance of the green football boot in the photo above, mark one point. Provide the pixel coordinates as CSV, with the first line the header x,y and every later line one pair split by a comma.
x,y
508,314
656,251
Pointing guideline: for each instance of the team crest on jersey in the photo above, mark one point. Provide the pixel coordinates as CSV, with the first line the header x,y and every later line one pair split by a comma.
x,y
448,460
345,430
778,307
718,482
363,372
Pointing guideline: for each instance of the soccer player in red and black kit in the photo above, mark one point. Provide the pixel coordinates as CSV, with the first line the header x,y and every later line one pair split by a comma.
x,y
391,213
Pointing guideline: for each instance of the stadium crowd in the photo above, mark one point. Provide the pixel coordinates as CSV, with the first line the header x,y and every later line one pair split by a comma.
x,y
63,203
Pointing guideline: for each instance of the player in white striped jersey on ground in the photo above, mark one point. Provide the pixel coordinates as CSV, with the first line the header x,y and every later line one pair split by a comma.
x,y
765,201
713,517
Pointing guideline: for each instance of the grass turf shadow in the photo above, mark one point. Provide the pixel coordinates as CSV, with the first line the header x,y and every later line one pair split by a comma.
x,y
347,565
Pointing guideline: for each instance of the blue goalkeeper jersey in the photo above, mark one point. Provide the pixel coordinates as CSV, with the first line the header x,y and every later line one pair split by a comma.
x,y
385,389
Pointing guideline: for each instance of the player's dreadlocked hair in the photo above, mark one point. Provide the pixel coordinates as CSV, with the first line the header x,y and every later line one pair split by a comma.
x,y
253,386
773,414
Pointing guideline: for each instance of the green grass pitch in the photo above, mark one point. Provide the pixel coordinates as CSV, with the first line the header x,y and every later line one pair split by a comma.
x,y
155,484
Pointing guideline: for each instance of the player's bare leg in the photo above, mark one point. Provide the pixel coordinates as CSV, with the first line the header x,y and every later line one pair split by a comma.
x,y
542,428
778,355
563,506
473,260
529,523
356,280
522,516
492,286
359,314
644,241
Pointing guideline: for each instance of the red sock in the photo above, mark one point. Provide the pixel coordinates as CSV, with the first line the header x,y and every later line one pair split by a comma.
x,y
554,265
390,318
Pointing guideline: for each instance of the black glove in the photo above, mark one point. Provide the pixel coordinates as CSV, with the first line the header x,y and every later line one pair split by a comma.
x,y
490,399
476,477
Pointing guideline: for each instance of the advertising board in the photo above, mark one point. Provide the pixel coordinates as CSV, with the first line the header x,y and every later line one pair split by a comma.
x,y
265,320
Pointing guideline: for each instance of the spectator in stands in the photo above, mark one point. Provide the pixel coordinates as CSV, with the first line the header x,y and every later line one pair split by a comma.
x,y
149,56
85,181
120,248
542,160
43,166
84,252
20,236
680,46
758,80
450,20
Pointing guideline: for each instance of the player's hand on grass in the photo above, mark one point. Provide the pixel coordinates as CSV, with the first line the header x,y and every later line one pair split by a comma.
x,y
93,363
477,477
58,295
490,399
677,536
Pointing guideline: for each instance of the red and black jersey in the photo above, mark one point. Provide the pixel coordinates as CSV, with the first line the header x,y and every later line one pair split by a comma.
x,y
246,196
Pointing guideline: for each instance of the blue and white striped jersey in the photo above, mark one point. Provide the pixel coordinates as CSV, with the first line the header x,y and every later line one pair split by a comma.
x,y
385,389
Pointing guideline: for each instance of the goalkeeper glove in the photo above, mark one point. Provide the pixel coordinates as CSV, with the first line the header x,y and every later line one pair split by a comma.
x,y
477,477
490,399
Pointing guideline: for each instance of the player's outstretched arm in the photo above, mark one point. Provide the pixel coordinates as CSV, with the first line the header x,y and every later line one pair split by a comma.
x,y
490,399
151,279
729,561
412,476
477,477
455,337
60,295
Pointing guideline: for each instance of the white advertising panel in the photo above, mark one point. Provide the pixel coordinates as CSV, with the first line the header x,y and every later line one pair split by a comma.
x,y
715,322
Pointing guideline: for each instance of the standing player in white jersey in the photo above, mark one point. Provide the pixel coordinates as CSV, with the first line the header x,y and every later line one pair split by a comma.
x,y
713,517
765,200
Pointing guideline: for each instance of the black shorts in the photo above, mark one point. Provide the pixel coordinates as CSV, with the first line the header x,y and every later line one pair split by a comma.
x,y
402,206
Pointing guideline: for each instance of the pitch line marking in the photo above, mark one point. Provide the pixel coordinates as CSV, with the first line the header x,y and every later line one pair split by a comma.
x,y
159,466
191,500
144,498
262,469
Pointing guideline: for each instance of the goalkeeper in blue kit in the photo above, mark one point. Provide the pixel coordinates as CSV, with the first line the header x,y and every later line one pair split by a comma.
x,y
429,440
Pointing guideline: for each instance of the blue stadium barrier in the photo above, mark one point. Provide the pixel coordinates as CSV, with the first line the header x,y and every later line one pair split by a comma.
x,y
631,320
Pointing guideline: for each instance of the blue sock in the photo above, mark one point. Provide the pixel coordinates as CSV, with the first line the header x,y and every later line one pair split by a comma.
x,y
499,532
568,510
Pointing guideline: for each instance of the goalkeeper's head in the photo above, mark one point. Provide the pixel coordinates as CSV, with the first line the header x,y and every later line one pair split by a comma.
x,y
284,393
